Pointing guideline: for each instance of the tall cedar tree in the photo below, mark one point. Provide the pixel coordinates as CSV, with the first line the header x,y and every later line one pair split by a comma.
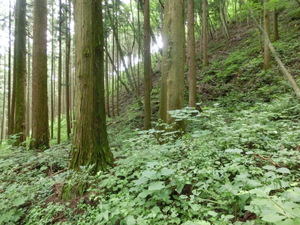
x,y
9,74
191,56
172,89
147,66
90,144
267,53
40,126
20,72
59,74
204,32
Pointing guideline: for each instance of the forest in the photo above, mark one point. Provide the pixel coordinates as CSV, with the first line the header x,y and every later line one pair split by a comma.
x,y
124,112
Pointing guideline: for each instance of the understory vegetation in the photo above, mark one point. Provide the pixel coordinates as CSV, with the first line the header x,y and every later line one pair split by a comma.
x,y
237,163
230,167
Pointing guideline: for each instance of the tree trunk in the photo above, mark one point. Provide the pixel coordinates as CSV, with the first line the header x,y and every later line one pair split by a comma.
x,y
107,84
223,19
276,32
52,77
112,75
172,88
9,75
191,56
139,50
68,55
90,144
28,111
267,53
204,32
118,83
3,128
59,75
147,66
20,72
40,126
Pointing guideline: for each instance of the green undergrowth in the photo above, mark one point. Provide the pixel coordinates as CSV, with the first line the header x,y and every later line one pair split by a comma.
x,y
238,68
238,167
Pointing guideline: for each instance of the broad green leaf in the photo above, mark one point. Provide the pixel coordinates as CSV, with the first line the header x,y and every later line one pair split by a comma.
x,y
273,218
19,201
141,180
199,222
6,216
151,174
130,220
167,172
260,201
143,194
235,150
289,222
156,186
283,170
212,213
152,164
269,168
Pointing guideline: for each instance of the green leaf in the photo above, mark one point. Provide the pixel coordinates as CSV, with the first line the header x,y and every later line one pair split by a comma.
x,y
130,220
235,150
6,216
141,180
151,174
167,172
260,201
19,201
156,186
199,222
272,218
283,170
212,213
152,164
269,168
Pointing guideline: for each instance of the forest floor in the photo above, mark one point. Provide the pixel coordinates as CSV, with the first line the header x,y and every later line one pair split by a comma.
x,y
238,162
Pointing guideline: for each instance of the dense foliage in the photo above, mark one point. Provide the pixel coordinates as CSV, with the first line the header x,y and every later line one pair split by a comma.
x,y
237,162
230,167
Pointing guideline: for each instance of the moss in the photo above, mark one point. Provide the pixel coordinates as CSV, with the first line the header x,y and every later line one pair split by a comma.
x,y
71,191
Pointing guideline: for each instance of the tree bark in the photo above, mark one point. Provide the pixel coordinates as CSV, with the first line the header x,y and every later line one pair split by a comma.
x,y
59,74
267,53
276,31
52,77
68,55
147,66
90,144
107,84
9,74
223,19
204,32
172,88
40,126
3,127
112,71
191,55
20,73
28,111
